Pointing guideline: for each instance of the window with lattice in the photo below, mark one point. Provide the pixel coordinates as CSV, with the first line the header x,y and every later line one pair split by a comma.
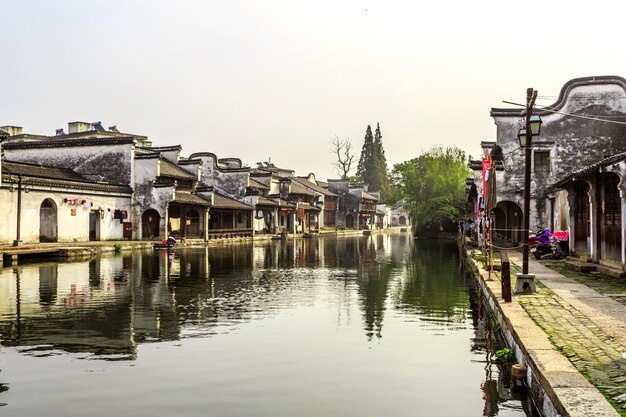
x,y
612,202
542,161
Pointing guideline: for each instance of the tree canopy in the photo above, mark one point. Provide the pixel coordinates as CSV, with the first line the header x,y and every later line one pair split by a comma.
x,y
432,187
372,167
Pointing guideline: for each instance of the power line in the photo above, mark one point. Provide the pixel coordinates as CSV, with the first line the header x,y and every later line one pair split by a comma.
x,y
554,110
580,116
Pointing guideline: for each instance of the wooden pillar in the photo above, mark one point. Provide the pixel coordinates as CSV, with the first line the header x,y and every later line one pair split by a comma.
x,y
571,218
207,216
505,272
594,224
166,220
623,231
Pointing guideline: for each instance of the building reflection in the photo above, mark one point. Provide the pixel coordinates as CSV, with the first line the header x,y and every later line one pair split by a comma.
x,y
109,305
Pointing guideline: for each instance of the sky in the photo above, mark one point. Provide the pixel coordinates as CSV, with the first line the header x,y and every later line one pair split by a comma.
x,y
269,79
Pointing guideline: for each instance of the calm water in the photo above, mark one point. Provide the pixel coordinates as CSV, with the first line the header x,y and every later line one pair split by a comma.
x,y
372,326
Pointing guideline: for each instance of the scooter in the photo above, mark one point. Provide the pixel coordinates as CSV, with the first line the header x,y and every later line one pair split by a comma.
x,y
539,243
557,248
545,243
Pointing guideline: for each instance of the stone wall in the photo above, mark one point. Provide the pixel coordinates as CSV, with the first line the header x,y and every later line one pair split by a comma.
x,y
572,142
71,220
231,182
111,162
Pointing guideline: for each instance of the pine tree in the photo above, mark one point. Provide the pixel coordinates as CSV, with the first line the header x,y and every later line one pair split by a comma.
x,y
382,180
364,168
372,168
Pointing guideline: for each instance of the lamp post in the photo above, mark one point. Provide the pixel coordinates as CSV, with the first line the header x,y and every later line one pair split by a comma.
x,y
532,127
18,239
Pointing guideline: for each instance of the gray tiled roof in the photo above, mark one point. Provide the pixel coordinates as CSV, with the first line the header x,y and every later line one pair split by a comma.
x,y
65,143
32,170
221,201
187,198
168,169
314,187
591,168
264,201
56,177
368,196
307,206
297,188
257,184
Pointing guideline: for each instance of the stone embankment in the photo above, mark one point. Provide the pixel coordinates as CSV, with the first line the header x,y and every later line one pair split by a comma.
x,y
570,337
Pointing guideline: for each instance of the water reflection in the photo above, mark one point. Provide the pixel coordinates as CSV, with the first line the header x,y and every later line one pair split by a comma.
x,y
109,307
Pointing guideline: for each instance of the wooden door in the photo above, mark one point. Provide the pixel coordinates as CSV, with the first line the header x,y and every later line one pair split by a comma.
x,y
610,228
581,217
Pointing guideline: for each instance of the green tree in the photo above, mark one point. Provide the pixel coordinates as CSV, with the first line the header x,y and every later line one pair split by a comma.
x,y
381,175
372,167
365,167
432,187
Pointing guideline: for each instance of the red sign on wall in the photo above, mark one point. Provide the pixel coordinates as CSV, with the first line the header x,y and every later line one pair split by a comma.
x,y
301,213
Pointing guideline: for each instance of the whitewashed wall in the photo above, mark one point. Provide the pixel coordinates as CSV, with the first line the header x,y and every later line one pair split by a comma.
x,y
110,163
70,228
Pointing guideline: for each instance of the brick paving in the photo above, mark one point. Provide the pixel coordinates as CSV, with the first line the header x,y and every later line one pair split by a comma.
x,y
585,325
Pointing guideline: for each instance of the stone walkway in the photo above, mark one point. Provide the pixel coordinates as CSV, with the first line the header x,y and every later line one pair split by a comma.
x,y
587,327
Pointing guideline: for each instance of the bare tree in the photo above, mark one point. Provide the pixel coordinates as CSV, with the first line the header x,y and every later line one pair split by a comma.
x,y
342,148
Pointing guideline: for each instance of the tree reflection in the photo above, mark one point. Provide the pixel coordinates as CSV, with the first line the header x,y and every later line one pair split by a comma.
x,y
374,275
108,305
431,287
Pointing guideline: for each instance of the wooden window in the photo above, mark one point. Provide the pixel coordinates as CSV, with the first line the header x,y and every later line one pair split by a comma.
x,y
581,203
612,203
542,161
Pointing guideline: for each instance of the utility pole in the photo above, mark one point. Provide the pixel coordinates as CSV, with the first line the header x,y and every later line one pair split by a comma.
x,y
531,96
525,281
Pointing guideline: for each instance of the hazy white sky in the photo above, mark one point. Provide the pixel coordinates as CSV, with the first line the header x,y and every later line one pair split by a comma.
x,y
265,78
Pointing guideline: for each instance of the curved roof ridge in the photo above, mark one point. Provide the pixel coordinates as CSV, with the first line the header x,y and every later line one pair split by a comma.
x,y
564,93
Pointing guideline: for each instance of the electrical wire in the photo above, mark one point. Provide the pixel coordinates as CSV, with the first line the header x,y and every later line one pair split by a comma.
x,y
580,116
554,110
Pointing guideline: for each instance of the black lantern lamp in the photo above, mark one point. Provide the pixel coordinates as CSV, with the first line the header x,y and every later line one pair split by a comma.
x,y
534,123
521,135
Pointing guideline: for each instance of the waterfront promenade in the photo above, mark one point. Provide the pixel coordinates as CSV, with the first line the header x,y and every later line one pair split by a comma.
x,y
571,337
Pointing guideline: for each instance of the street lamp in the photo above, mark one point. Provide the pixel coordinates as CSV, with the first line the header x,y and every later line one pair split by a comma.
x,y
535,124
532,127
535,127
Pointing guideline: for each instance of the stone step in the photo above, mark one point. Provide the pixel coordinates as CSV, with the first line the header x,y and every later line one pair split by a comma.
x,y
581,266
611,271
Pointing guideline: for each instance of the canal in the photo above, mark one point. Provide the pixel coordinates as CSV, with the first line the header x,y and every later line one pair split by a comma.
x,y
368,326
